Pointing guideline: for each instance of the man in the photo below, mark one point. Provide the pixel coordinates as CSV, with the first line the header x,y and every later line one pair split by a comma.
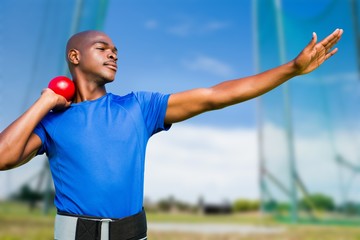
x,y
96,143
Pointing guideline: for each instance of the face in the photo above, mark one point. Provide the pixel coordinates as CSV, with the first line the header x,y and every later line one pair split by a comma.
x,y
97,58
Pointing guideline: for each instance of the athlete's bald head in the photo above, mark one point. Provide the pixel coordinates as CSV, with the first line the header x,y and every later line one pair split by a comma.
x,y
81,38
80,42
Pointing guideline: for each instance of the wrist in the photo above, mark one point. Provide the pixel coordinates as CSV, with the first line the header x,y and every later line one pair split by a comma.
x,y
48,99
293,69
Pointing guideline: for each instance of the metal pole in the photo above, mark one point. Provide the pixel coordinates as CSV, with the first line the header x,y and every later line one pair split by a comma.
x,y
8,181
101,14
75,23
260,110
355,18
288,115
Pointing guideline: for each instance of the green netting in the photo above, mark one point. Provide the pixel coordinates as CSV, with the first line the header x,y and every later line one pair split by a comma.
x,y
309,127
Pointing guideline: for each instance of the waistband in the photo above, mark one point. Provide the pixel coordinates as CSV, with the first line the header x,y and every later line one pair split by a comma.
x,y
79,227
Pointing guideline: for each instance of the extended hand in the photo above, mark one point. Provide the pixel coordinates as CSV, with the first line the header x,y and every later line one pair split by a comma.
x,y
314,54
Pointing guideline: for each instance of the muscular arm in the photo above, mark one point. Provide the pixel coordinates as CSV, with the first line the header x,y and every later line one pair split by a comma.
x,y
18,143
187,104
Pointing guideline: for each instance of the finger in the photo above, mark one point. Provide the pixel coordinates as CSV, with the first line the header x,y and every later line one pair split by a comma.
x,y
313,41
331,45
314,38
46,90
332,39
329,39
330,54
67,104
336,39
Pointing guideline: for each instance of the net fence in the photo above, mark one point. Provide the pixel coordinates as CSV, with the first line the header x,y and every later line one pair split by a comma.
x,y
309,127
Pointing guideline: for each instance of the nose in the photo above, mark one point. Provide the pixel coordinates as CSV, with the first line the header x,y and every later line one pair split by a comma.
x,y
113,56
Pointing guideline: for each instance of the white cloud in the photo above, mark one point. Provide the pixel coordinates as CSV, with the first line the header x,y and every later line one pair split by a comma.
x,y
191,161
214,26
209,65
189,27
181,30
151,24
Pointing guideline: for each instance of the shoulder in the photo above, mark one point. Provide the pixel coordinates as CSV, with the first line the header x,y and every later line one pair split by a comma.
x,y
139,96
52,116
49,122
144,99
119,98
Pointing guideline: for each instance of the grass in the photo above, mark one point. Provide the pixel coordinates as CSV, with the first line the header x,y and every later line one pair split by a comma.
x,y
17,223
253,219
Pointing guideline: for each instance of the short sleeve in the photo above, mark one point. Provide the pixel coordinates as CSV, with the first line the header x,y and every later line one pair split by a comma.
x,y
40,131
153,107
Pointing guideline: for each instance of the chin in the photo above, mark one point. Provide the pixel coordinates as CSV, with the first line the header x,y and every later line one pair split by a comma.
x,y
108,79
111,79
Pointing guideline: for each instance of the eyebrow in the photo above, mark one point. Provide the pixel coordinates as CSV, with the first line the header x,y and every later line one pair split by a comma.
x,y
105,43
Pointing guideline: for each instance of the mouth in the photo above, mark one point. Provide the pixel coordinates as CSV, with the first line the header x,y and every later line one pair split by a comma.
x,y
112,65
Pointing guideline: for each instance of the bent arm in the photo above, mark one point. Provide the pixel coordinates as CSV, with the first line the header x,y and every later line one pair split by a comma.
x,y
18,143
184,105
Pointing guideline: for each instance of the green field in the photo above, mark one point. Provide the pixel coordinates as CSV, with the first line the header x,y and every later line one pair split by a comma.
x,y
18,223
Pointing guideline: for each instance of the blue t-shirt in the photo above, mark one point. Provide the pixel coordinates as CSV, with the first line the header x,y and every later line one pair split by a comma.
x,y
96,151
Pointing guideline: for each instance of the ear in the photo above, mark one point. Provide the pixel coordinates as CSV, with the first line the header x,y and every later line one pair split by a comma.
x,y
73,56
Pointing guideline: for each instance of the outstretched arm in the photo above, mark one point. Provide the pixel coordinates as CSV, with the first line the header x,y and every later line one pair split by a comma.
x,y
187,104
18,143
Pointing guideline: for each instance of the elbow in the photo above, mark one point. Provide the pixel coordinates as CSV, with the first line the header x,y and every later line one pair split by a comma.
x,y
219,103
215,101
7,164
4,167
215,106
3,157
7,159
220,98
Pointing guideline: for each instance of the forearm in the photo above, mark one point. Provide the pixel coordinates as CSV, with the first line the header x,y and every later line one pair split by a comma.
x,y
14,138
239,90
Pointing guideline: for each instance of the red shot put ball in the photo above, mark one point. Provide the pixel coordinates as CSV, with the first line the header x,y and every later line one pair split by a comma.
x,y
63,86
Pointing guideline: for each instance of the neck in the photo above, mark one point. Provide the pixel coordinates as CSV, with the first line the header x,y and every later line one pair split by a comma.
x,y
88,92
